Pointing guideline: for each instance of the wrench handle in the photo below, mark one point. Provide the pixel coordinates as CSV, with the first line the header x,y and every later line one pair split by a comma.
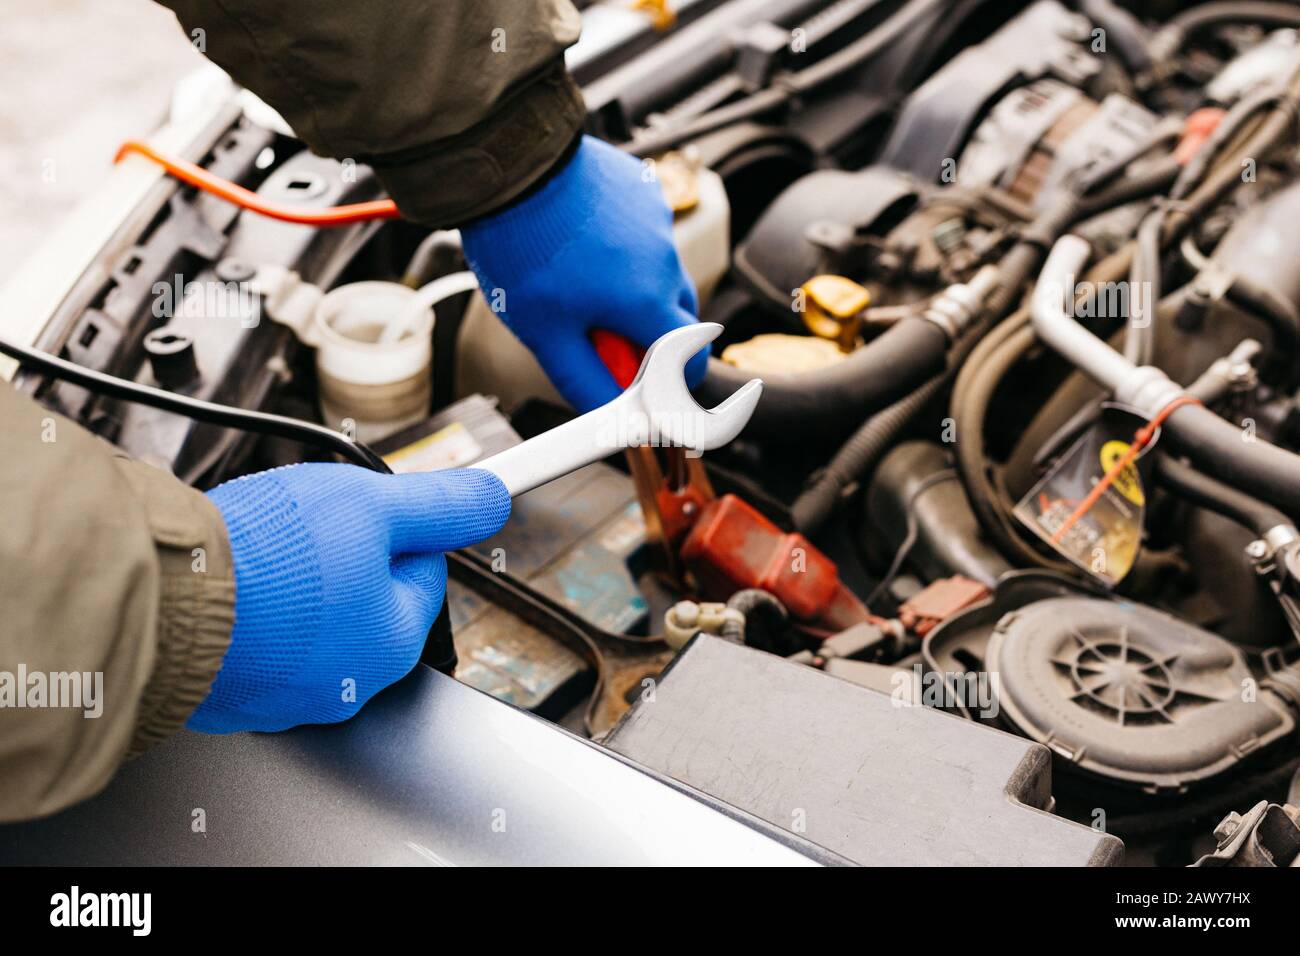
x,y
577,442
551,454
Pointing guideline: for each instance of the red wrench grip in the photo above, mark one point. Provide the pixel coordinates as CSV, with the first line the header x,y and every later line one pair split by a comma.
x,y
621,357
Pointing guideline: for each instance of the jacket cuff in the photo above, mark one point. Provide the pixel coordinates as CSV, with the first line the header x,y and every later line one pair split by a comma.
x,y
452,181
196,602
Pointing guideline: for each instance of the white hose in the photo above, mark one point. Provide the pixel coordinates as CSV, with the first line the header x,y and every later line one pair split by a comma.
x,y
1145,388
426,297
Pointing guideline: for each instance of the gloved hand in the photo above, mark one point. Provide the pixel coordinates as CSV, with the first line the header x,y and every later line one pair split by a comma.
x,y
591,249
339,575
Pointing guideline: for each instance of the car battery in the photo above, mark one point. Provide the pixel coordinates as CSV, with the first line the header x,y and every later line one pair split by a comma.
x,y
578,540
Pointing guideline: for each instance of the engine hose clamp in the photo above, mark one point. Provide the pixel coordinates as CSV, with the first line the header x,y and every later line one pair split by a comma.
x,y
954,308
1149,390
1285,683
1279,536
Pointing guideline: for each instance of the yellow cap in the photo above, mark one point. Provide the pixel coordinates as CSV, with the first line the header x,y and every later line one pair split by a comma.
x,y
833,307
679,178
661,13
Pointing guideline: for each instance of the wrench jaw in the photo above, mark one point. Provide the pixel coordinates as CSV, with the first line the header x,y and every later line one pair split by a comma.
x,y
671,351
728,419
656,409
674,418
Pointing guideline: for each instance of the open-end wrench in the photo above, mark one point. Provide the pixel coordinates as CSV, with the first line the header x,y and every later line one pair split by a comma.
x,y
656,409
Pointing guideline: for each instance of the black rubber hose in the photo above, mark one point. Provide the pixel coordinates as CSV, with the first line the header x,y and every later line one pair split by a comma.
x,y
1189,811
1282,317
1225,451
1124,28
767,622
828,403
1024,258
1200,489
1171,37
1159,177
859,455
1144,273
978,380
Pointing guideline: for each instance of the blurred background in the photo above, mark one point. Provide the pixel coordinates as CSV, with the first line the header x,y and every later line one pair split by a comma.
x,y
80,77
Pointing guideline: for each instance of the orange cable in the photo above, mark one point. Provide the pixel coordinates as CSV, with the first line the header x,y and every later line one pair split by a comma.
x,y
1140,440
199,177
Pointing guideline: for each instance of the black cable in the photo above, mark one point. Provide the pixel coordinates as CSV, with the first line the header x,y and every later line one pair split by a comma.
x,y
788,87
263,423
751,107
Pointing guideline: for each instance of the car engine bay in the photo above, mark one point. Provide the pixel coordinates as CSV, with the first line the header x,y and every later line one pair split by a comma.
x,y
1022,282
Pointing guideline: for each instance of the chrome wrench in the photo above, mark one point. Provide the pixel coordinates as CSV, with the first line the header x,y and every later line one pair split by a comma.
x,y
656,409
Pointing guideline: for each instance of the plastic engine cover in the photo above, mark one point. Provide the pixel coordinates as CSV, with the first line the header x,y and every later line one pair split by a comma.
x,y
870,776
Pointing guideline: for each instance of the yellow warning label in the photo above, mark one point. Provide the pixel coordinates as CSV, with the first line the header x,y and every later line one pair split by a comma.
x,y
448,447
1128,482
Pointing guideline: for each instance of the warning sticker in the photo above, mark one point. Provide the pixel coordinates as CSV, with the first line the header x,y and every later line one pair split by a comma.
x,y
448,447
1127,481
1093,521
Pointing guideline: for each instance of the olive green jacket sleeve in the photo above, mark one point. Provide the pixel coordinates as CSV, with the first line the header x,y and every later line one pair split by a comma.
x,y
116,607
458,105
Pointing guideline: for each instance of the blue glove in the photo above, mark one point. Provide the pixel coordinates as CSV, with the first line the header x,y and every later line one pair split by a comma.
x,y
591,249
339,575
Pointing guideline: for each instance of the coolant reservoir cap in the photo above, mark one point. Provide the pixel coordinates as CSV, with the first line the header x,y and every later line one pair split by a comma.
x,y
777,353
350,322
1128,693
